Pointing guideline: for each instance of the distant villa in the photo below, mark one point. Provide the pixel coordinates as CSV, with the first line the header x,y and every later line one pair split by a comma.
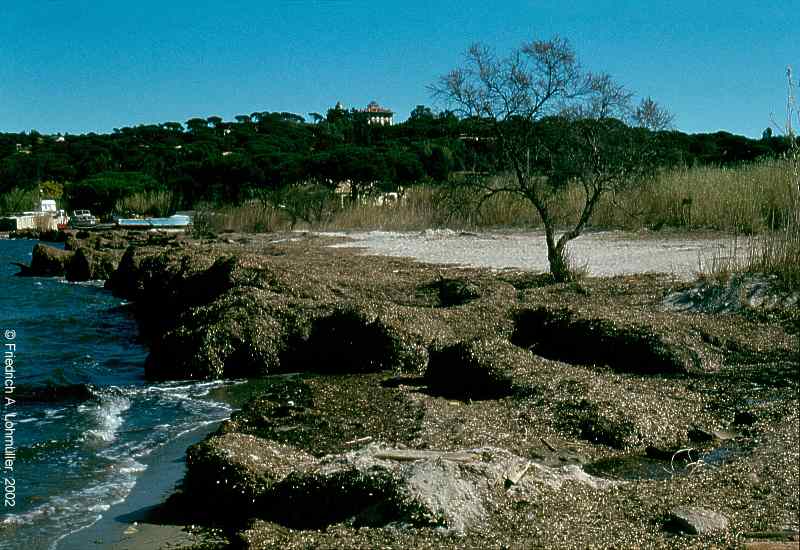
x,y
378,115
374,113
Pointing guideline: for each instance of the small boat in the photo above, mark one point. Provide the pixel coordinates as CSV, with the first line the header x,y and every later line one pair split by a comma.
x,y
82,219
176,221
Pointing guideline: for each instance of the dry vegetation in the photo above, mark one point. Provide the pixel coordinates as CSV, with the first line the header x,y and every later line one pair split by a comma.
x,y
757,201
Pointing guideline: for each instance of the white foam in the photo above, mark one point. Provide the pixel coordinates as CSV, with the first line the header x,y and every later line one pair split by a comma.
x,y
107,416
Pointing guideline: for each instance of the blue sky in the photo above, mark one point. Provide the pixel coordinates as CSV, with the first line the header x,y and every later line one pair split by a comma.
x,y
79,66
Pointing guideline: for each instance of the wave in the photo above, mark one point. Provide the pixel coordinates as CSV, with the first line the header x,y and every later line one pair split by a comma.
x,y
106,413
102,447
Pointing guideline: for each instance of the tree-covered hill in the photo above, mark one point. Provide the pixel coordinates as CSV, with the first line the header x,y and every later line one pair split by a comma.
x,y
229,161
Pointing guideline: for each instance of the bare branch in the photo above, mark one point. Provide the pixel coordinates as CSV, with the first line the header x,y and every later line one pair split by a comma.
x,y
652,116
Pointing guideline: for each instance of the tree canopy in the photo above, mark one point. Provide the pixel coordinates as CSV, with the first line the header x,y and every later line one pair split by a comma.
x,y
210,159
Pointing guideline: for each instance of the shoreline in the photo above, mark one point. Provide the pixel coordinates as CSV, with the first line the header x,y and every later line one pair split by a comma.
x,y
500,385
142,521
134,523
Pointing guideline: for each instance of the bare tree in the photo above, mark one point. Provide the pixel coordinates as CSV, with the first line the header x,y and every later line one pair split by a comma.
x,y
553,123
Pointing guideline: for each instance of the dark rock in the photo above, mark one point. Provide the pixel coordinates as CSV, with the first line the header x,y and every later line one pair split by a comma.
x,y
24,269
695,521
484,368
89,265
48,261
356,339
744,418
561,335
456,292
232,472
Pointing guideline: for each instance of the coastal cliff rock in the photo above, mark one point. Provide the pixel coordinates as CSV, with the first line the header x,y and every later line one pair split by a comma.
x,y
48,261
89,264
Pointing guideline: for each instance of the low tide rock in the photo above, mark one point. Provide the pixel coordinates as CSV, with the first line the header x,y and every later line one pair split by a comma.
x,y
485,368
48,261
236,477
231,472
695,521
87,264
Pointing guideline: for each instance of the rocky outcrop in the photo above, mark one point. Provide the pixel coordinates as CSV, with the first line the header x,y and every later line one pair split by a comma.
x,y
374,486
563,335
243,333
355,338
48,261
234,471
88,264
94,257
694,520
483,368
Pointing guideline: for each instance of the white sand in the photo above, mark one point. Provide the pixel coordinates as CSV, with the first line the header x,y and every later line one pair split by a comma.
x,y
604,253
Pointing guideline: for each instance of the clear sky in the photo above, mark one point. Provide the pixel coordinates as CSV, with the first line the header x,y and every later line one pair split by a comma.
x,y
77,66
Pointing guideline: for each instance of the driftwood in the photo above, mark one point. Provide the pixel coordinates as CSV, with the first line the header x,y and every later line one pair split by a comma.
x,y
410,455
359,440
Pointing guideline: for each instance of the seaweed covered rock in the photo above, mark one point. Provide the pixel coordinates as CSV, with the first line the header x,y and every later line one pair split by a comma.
x,y
167,284
357,339
232,472
598,424
455,292
87,264
246,332
562,335
71,242
48,261
375,486
329,414
483,368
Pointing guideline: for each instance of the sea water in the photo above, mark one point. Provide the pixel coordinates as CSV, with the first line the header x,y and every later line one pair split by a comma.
x,y
84,419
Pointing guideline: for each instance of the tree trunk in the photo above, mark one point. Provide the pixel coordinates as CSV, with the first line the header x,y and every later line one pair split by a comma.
x,y
556,257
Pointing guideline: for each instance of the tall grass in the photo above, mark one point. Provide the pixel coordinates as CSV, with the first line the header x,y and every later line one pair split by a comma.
x,y
746,199
778,254
148,203
253,217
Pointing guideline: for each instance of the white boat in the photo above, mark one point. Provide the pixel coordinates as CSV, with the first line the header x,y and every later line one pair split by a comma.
x,y
176,221
82,219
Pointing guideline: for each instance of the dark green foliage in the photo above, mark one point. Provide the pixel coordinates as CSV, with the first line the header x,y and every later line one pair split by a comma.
x,y
101,192
209,159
